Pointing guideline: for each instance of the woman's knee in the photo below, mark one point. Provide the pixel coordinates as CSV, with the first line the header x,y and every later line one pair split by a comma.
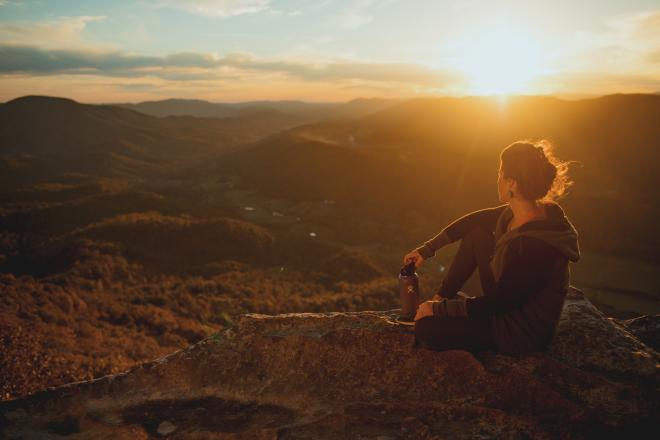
x,y
423,334
425,328
444,333
432,331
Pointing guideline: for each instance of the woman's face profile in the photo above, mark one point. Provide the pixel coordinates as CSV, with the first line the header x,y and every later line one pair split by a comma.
x,y
500,184
503,185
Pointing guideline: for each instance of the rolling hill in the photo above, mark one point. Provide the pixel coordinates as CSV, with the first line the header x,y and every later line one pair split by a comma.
x,y
439,156
55,135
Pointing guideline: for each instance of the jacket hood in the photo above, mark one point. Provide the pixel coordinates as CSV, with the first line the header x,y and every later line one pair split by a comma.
x,y
556,230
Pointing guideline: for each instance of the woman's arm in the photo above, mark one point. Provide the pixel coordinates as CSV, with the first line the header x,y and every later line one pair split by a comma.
x,y
527,269
486,218
528,266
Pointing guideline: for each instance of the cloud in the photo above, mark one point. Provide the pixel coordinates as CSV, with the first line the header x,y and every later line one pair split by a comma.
x,y
189,66
357,14
39,61
352,20
653,57
219,8
641,25
630,43
597,82
60,32
621,59
137,86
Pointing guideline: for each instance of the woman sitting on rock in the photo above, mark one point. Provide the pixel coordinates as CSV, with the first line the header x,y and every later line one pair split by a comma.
x,y
521,248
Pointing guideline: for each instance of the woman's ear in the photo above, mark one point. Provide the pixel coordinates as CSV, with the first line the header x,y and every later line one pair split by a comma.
x,y
513,185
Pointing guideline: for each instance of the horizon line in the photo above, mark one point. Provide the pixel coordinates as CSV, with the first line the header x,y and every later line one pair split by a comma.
x,y
561,96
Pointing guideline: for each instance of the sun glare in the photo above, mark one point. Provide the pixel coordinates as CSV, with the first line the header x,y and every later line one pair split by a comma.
x,y
499,61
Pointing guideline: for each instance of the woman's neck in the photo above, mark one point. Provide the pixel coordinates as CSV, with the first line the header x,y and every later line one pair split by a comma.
x,y
524,210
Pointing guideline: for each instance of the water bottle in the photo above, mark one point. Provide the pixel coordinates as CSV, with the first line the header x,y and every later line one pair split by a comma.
x,y
408,292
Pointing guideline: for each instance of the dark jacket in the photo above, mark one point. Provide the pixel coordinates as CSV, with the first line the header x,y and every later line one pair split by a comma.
x,y
530,267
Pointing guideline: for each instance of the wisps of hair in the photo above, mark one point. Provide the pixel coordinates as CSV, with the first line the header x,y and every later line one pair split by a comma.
x,y
539,173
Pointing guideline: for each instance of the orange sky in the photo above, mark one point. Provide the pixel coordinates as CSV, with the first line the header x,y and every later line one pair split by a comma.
x,y
330,50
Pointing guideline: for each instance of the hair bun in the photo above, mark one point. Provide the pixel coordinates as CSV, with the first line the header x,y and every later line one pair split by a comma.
x,y
536,169
541,153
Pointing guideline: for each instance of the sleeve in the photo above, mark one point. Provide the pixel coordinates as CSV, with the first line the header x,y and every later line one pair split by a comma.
x,y
486,218
527,269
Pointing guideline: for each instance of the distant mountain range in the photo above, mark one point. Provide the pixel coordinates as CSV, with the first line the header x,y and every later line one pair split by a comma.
x,y
115,141
307,111
438,156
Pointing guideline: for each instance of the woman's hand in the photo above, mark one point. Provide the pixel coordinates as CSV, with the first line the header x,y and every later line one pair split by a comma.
x,y
424,309
413,256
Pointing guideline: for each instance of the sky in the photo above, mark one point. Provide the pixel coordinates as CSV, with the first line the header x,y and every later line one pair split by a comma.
x,y
326,50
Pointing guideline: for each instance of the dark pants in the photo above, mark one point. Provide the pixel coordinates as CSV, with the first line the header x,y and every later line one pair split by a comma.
x,y
446,332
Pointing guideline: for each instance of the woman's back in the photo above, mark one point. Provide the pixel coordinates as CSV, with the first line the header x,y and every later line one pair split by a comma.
x,y
532,325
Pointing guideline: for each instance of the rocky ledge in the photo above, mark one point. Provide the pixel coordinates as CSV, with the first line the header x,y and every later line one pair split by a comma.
x,y
357,375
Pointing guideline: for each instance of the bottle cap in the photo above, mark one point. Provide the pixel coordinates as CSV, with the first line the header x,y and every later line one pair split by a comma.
x,y
408,270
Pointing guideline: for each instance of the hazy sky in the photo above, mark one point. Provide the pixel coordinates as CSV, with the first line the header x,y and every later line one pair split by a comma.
x,y
325,50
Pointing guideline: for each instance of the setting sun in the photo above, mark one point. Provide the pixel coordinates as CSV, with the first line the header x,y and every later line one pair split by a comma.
x,y
499,61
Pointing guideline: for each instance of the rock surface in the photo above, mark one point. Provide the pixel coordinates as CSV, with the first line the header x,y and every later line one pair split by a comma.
x,y
646,328
357,375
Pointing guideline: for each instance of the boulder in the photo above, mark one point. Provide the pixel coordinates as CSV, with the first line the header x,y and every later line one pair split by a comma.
x,y
358,375
646,328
